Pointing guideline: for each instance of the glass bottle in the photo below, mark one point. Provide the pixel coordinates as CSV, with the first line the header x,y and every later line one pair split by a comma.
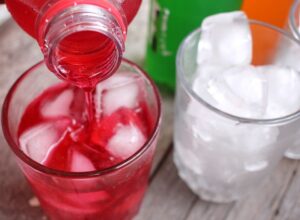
x,y
170,22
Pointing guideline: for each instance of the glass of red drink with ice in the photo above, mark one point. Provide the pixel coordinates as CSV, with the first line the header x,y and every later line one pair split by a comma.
x,y
83,167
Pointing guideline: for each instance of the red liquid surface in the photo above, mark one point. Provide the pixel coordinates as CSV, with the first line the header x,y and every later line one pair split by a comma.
x,y
60,131
85,58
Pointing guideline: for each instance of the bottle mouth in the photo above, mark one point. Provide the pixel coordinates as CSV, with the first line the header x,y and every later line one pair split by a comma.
x,y
83,44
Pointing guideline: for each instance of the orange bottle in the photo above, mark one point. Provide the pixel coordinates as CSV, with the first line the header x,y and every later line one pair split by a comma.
x,y
274,12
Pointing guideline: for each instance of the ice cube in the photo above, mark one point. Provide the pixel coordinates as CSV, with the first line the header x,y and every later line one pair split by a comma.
x,y
234,146
80,163
241,91
206,72
288,54
225,40
250,86
39,140
283,91
127,140
216,130
60,106
120,90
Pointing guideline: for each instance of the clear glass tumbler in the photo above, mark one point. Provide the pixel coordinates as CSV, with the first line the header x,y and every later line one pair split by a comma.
x,y
294,22
112,193
291,55
221,156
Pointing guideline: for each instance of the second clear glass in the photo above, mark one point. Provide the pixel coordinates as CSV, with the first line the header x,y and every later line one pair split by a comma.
x,y
221,156
290,54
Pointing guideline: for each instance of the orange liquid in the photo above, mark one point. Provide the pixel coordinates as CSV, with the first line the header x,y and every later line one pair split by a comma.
x,y
265,44
274,12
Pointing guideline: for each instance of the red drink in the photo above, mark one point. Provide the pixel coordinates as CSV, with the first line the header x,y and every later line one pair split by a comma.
x,y
87,155
81,169
26,12
58,119
82,40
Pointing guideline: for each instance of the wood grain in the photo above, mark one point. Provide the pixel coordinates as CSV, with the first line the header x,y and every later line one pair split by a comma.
x,y
289,209
166,134
168,197
263,203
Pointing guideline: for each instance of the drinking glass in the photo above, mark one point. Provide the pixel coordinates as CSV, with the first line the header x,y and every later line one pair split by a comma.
x,y
222,156
294,22
289,54
112,193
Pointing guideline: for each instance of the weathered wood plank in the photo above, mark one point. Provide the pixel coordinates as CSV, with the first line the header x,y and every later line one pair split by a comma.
x,y
290,207
18,52
168,197
166,135
263,203
209,211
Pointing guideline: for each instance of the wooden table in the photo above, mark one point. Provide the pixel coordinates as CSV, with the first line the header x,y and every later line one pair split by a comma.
x,y
168,198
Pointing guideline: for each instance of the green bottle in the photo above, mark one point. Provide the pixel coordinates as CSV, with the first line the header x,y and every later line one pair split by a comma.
x,y
170,22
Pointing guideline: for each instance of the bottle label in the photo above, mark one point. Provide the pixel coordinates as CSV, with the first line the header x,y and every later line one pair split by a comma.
x,y
158,36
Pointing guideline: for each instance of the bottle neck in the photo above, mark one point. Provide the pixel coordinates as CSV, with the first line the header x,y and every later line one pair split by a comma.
x,y
83,43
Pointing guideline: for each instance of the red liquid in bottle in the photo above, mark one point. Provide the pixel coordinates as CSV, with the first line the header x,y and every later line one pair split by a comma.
x,y
55,132
82,40
26,13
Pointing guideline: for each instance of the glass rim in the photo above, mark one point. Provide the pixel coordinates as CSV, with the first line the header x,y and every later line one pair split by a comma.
x,y
26,159
183,81
292,21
